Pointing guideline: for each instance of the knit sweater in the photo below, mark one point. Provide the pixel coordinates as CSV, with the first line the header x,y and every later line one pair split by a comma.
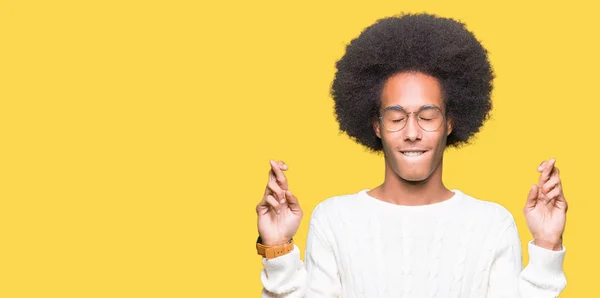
x,y
359,246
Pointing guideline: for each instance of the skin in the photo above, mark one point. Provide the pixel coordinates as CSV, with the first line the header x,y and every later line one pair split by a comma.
x,y
414,180
546,207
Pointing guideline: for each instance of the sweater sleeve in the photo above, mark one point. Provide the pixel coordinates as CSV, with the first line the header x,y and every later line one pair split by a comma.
x,y
543,277
287,276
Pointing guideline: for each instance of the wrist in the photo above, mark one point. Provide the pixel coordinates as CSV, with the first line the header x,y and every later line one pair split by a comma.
x,y
272,242
555,245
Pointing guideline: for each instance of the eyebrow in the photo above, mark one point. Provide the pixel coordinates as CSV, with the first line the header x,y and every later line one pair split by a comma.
x,y
400,108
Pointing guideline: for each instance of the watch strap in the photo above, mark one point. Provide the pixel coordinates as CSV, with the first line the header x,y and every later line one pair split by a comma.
x,y
274,251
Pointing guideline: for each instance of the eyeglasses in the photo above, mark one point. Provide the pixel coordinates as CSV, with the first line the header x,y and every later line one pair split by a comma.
x,y
429,118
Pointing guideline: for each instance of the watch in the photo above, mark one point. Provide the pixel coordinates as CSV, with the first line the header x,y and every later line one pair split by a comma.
x,y
273,251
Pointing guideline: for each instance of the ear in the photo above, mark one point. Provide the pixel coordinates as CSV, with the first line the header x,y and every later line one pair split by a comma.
x,y
376,127
449,127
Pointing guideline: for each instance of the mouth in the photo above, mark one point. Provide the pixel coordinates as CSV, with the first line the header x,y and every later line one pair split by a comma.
x,y
412,153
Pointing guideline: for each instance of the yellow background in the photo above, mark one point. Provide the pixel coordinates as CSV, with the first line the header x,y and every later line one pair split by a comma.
x,y
135,135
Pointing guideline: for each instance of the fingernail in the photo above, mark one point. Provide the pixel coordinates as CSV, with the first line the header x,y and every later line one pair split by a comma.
x,y
284,167
282,201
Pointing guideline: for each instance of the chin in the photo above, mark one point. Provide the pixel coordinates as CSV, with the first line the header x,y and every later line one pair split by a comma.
x,y
412,173
414,178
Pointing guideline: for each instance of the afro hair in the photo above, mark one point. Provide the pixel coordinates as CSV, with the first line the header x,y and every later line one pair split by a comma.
x,y
440,47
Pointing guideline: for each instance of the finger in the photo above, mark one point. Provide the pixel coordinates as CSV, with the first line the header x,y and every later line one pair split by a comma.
x,y
275,190
291,198
279,176
550,184
555,197
542,166
548,167
273,203
271,179
556,175
554,193
558,197
555,172
282,165
532,197
268,202
292,201
272,175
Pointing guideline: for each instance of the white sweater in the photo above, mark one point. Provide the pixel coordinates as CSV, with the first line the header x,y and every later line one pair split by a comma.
x,y
359,246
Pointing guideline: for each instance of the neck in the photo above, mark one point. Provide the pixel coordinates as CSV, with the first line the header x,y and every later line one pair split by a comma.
x,y
399,191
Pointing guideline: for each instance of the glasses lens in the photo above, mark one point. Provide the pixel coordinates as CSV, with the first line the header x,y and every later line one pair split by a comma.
x,y
430,118
394,120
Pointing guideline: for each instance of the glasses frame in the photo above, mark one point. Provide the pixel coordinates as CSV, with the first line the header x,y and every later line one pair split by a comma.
x,y
400,108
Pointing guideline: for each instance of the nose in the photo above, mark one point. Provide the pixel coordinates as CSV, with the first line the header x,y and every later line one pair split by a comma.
x,y
412,131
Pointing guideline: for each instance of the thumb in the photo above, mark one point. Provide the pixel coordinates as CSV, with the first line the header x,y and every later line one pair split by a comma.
x,y
532,197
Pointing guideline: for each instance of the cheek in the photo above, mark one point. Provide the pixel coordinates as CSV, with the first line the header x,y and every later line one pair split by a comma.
x,y
387,140
388,149
440,144
442,147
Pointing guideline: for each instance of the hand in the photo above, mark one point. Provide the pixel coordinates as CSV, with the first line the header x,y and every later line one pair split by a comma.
x,y
546,208
279,213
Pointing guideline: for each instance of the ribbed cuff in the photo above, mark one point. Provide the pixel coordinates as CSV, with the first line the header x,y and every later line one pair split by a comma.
x,y
546,260
284,262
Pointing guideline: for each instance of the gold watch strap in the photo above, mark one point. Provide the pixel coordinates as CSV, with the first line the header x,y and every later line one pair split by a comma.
x,y
270,252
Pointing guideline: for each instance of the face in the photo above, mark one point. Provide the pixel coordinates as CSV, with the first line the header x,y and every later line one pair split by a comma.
x,y
411,91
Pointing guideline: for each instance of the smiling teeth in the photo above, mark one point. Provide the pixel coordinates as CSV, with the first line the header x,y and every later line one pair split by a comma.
x,y
413,153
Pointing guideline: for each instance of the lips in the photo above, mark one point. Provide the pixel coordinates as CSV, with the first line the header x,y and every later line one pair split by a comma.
x,y
413,152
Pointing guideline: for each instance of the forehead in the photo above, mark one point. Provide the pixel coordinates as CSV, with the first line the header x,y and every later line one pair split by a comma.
x,y
411,90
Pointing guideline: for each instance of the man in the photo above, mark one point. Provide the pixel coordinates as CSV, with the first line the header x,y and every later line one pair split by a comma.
x,y
410,86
